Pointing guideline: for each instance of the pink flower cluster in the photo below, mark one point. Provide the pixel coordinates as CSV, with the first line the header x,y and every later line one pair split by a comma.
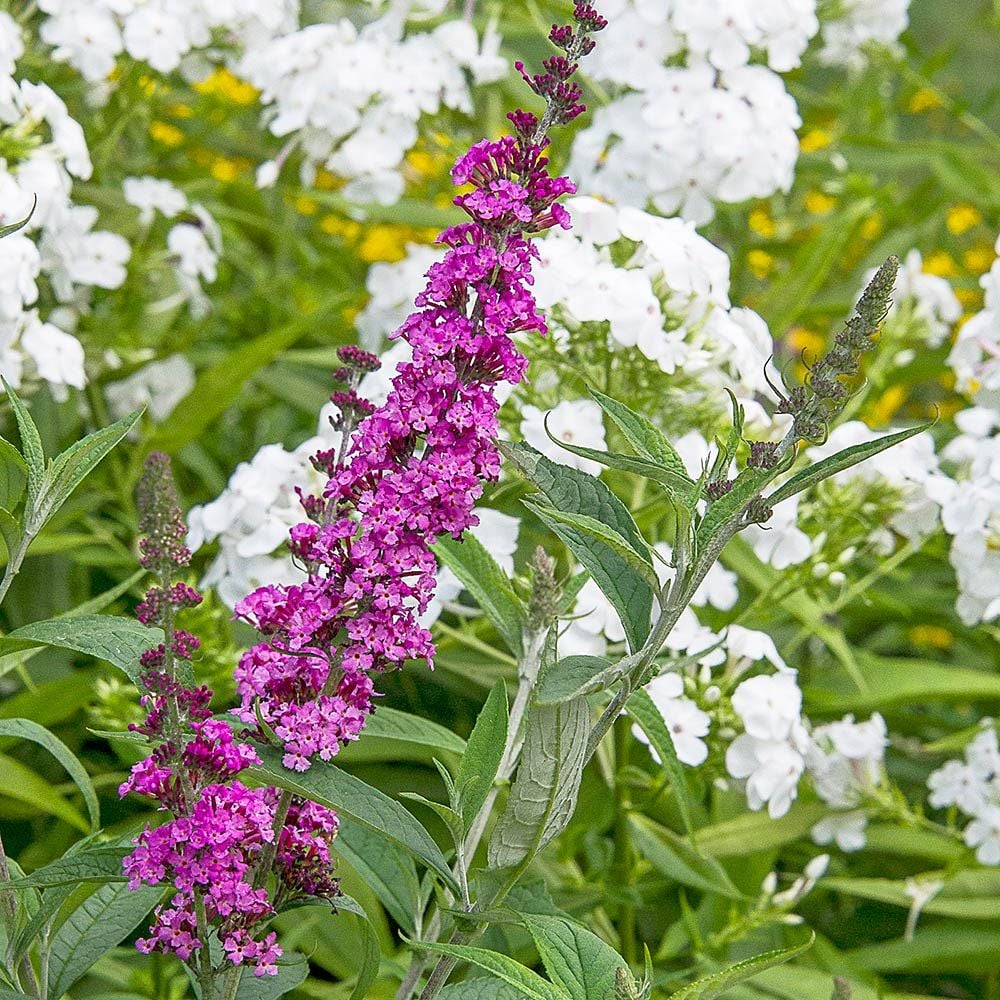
x,y
211,850
413,469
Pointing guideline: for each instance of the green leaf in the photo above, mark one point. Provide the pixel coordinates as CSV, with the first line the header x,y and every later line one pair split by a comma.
x,y
543,796
521,978
729,838
328,785
477,769
973,894
638,559
11,531
671,854
13,475
842,460
104,919
483,988
68,470
718,983
119,641
22,784
640,706
386,868
403,727
13,227
25,729
31,445
88,864
572,491
218,387
644,436
891,681
293,969
951,946
575,959
483,578
371,954
721,513
574,676
50,902
680,489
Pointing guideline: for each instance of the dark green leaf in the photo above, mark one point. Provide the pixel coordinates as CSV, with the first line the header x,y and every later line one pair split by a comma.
x,y
543,796
404,727
574,676
371,954
483,988
671,854
13,475
720,982
292,971
385,867
640,706
644,436
103,920
119,641
575,959
839,462
69,469
90,864
328,785
13,227
25,729
521,978
478,766
23,785
31,445
483,578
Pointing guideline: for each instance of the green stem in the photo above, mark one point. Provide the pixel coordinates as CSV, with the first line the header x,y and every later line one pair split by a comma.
x,y
8,907
624,854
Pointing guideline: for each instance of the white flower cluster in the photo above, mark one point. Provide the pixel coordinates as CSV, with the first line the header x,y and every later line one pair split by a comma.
x,y
46,151
694,119
973,786
251,518
158,386
845,760
351,99
859,25
970,499
91,34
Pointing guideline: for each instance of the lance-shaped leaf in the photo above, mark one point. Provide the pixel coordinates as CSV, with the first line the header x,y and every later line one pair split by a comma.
x,y
119,641
717,984
575,676
680,489
531,985
103,920
67,471
638,559
334,788
575,959
13,227
484,750
842,460
641,707
404,727
728,448
746,486
575,492
370,955
31,445
87,864
25,729
644,436
483,578
543,796
13,475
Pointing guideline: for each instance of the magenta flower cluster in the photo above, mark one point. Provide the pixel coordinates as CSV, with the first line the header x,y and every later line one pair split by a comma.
x,y
211,849
412,469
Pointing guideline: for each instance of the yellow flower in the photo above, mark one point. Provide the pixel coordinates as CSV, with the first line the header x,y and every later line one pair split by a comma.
x,y
979,259
871,228
802,339
166,134
383,242
760,222
326,181
969,297
814,140
306,206
941,263
147,85
931,635
336,225
422,162
883,409
924,99
180,111
817,203
227,87
225,170
963,217
761,263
